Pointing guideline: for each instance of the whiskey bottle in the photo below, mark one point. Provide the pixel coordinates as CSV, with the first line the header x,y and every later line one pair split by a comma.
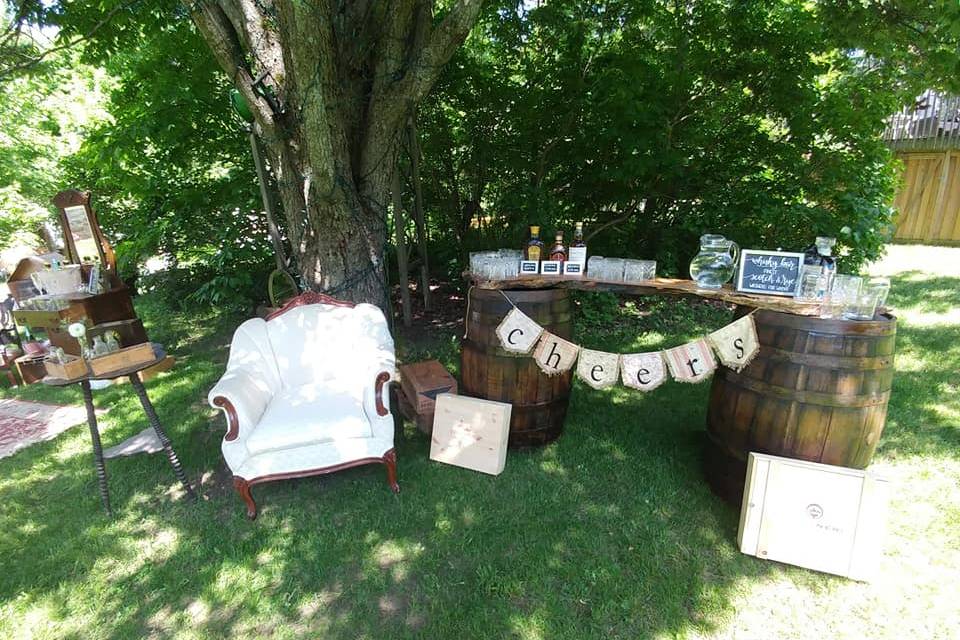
x,y
558,251
534,247
578,248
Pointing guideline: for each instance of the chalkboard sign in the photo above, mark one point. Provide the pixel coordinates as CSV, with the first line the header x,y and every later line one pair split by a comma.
x,y
775,273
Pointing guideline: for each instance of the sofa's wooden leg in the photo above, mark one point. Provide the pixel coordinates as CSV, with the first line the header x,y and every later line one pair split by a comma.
x,y
390,461
243,488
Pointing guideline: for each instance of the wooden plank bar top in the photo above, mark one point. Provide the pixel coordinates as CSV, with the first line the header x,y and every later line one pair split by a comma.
x,y
658,286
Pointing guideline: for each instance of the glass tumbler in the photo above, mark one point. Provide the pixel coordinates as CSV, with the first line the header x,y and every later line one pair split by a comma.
x,y
844,294
638,270
881,286
613,269
649,269
595,266
809,290
864,306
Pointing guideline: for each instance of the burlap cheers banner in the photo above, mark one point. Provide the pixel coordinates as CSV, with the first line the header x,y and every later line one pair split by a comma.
x,y
735,345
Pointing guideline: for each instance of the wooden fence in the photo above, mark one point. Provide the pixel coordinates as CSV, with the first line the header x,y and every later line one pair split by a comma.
x,y
929,199
926,137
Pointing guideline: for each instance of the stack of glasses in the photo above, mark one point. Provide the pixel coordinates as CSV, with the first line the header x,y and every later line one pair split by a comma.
x,y
496,265
621,269
853,298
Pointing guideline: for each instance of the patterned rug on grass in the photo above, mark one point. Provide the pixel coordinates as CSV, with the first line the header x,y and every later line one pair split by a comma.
x,y
25,423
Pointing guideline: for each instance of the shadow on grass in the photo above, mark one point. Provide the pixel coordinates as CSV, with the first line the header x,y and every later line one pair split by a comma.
x,y
610,532
924,412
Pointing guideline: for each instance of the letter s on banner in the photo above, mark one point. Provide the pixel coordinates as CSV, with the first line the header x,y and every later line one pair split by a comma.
x,y
736,344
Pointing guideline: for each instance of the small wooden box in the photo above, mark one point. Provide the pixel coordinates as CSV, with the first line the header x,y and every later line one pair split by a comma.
x,y
74,367
122,359
130,332
422,382
47,319
470,433
816,516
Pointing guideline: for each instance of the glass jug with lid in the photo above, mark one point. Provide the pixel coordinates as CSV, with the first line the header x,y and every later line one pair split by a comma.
x,y
714,265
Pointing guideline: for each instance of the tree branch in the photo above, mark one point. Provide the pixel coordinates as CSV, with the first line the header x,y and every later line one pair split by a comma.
x,y
7,72
224,42
390,106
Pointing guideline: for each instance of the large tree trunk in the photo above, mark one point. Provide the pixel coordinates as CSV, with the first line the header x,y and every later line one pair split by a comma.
x,y
331,84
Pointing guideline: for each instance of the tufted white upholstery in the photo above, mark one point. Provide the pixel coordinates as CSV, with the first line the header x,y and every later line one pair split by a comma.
x,y
303,388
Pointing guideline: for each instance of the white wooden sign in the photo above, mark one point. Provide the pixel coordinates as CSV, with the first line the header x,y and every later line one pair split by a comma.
x,y
529,267
470,433
818,516
551,267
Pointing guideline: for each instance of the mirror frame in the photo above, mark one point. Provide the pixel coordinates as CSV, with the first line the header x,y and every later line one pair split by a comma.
x,y
74,198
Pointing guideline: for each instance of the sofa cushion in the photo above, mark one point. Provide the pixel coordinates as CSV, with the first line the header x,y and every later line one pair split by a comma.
x,y
309,414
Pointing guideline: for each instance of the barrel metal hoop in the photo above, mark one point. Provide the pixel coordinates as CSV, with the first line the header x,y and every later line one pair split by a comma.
x,y
827,362
805,397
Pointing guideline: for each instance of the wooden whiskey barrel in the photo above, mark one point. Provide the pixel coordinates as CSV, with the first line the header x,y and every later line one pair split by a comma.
x,y
816,391
487,371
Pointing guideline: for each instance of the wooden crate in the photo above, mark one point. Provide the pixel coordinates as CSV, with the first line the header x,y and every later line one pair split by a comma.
x,y
131,332
47,319
470,433
31,368
73,367
422,382
122,359
812,515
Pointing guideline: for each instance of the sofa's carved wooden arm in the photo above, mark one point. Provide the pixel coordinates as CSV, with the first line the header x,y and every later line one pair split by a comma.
x,y
382,378
233,422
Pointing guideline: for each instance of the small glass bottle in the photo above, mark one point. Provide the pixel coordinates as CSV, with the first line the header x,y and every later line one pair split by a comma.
x,y
100,347
533,250
558,251
578,248
112,341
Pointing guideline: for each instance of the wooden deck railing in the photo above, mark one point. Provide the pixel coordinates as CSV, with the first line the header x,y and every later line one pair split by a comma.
x,y
931,124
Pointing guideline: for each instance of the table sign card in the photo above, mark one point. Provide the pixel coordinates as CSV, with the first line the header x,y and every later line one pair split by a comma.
x,y
775,273
550,268
573,269
529,267
470,433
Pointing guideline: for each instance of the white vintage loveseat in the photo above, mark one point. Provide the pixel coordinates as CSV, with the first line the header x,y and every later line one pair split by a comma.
x,y
305,392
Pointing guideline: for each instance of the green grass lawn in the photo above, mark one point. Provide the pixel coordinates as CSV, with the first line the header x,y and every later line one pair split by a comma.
x,y
610,532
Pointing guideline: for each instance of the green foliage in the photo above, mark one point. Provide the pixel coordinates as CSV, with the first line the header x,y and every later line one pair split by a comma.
x,y
45,115
173,173
610,533
656,122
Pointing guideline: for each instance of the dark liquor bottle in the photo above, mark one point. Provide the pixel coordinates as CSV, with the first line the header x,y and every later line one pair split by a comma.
x,y
558,251
578,248
534,247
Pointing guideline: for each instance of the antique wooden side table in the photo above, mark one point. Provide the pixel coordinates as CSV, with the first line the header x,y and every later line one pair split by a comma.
x,y
133,374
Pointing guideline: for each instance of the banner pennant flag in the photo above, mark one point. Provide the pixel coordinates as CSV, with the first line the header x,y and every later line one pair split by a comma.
x,y
554,355
518,333
691,362
736,344
643,371
598,368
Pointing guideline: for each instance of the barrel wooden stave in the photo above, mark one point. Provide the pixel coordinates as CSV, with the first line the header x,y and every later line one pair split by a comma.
x,y
487,371
817,390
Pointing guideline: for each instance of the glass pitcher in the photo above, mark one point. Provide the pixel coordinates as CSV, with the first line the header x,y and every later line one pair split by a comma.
x,y
714,265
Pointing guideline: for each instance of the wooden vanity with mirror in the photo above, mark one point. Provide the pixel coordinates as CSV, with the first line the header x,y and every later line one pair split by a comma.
x,y
80,285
